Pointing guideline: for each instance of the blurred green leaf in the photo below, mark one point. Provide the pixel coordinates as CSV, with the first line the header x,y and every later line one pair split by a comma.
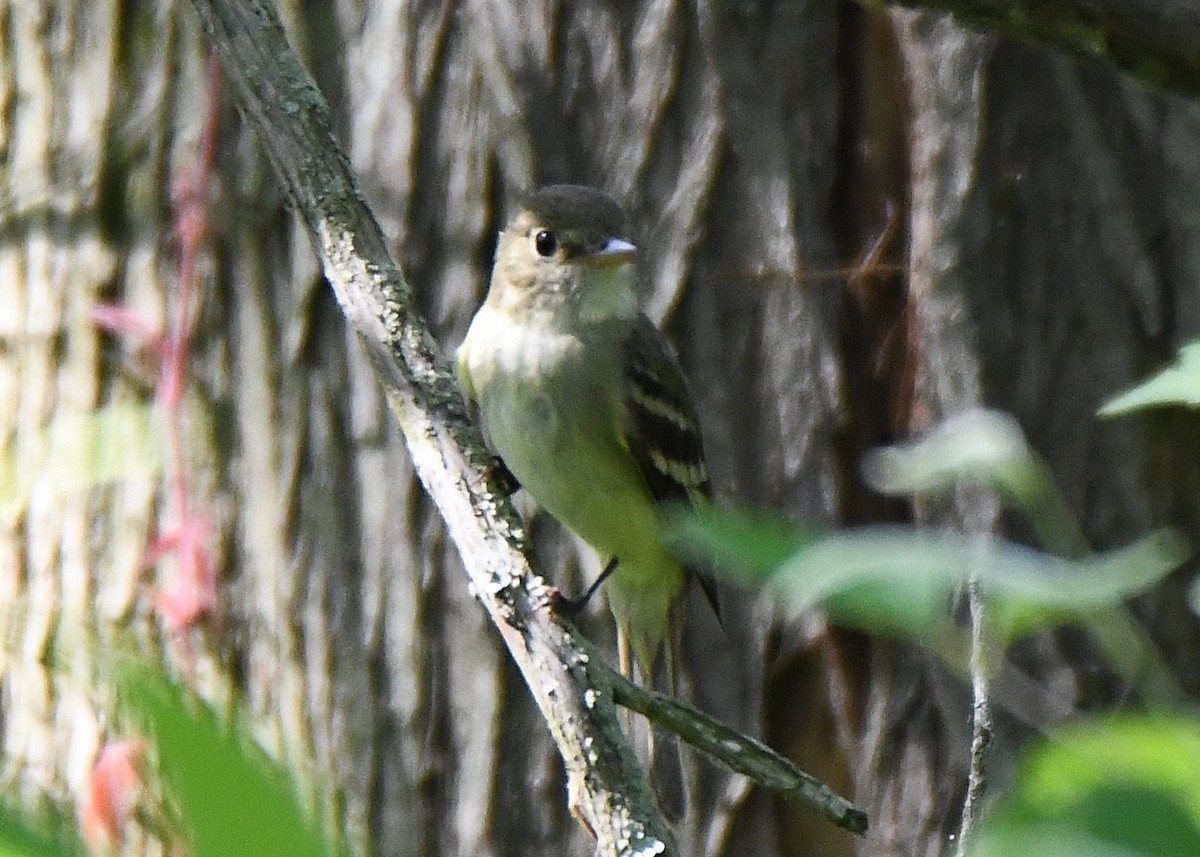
x,y
744,544
900,581
1094,583
979,443
989,447
1126,786
1144,749
234,800
1178,384
78,452
912,574
897,580
982,446
21,835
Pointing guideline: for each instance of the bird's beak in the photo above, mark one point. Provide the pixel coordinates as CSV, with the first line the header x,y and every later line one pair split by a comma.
x,y
616,252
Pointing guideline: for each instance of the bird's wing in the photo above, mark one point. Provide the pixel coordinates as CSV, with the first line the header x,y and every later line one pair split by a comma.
x,y
661,428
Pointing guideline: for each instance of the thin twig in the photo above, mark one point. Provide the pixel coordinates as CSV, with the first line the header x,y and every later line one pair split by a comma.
x,y
739,753
981,719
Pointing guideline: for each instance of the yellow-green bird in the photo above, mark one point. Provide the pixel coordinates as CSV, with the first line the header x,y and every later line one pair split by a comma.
x,y
582,398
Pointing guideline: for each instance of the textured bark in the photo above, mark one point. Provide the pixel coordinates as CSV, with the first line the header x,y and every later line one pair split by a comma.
x,y
1152,40
1049,246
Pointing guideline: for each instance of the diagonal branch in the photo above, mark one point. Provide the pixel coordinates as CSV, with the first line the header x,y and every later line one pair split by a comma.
x,y
738,752
278,96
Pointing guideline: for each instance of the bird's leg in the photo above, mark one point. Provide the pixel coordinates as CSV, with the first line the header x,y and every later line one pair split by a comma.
x,y
497,475
624,652
625,665
569,606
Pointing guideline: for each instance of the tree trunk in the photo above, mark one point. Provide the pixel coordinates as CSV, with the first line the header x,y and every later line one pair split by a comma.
x,y
1039,243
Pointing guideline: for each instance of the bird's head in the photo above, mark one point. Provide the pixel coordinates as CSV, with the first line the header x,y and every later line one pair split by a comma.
x,y
566,254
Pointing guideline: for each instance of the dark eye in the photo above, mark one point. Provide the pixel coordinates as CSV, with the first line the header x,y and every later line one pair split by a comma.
x,y
545,243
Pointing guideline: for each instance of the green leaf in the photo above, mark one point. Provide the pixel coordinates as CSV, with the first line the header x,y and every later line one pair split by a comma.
x,y
1126,786
979,444
1178,384
23,835
899,580
987,447
745,544
234,800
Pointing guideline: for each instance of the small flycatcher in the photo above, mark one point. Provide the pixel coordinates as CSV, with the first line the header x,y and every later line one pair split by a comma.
x,y
581,396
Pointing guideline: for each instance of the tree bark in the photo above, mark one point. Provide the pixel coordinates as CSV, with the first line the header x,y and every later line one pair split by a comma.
x,y
1151,40
1044,249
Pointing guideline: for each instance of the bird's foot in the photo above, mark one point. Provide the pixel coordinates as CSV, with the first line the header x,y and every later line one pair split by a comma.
x,y
500,478
572,606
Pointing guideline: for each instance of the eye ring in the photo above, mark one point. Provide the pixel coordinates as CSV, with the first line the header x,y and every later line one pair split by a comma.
x,y
545,244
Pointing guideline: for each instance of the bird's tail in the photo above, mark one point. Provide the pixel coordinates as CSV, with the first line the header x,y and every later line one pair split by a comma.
x,y
659,748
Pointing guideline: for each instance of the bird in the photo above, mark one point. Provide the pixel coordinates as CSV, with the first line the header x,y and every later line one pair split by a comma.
x,y
584,401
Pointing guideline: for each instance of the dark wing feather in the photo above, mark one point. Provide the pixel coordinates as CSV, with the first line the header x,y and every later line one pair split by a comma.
x,y
662,430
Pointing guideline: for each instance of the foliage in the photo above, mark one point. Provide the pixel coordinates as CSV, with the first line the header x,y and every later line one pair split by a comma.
x,y
1124,786
1178,384
22,836
900,580
232,798
228,797
1120,787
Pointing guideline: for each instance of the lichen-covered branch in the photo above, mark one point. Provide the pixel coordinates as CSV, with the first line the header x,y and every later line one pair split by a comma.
x,y
738,752
275,92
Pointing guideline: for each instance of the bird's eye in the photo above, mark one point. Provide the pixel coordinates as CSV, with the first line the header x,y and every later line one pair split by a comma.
x,y
545,243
